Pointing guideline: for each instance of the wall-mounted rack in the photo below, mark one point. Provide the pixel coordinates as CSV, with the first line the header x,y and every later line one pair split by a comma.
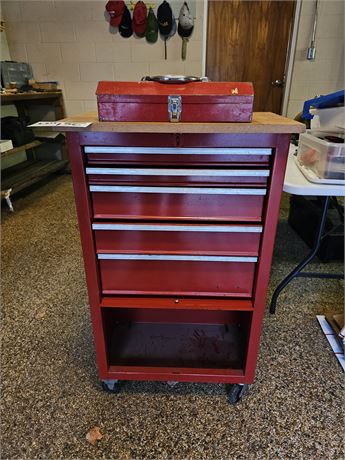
x,y
131,4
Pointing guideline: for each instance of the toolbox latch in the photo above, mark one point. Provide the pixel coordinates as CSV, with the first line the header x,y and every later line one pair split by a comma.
x,y
174,108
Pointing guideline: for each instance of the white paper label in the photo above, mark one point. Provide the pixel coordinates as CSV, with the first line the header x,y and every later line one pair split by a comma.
x,y
60,124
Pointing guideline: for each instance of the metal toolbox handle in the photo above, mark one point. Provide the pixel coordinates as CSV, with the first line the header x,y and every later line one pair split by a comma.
x,y
174,79
184,258
179,172
178,190
178,150
179,228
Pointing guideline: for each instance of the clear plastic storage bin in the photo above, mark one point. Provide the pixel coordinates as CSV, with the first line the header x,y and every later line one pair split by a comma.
x,y
320,159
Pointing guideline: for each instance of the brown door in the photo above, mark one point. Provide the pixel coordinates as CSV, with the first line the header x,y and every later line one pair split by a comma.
x,y
248,41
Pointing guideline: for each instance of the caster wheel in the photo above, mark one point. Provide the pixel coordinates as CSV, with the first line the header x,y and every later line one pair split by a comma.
x,y
172,383
236,392
111,386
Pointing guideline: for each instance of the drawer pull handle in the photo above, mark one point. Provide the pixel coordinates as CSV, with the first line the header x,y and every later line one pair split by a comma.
x,y
180,172
179,228
179,190
179,151
175,257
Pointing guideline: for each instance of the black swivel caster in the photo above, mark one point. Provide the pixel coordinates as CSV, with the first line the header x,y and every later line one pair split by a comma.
x,y
111,386
236,392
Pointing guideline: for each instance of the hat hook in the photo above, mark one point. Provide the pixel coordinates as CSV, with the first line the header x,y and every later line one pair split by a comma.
x,y
131,5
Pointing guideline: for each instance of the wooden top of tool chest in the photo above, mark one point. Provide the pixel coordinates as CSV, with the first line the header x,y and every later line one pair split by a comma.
x,y
263,122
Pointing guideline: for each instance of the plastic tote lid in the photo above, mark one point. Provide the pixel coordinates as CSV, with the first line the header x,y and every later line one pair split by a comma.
x,y
323,102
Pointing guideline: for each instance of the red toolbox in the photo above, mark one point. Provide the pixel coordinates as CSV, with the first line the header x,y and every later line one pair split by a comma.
x,y
154,101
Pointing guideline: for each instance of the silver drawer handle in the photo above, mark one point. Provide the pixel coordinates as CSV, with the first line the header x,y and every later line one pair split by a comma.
x,y
180,172
180,228
179,151
178,190
176,257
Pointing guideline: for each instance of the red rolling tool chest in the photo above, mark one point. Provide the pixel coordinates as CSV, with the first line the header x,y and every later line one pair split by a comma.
x,y
177,223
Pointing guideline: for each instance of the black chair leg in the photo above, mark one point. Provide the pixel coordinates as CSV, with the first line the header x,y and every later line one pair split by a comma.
x,y
295,272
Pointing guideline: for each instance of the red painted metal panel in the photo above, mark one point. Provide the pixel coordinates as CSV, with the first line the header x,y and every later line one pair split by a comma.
x,y
233,140
176,374
270,221
128,90
177,140
97,159
190,303
148,101
109,205
201,140
179,181
120,111
84,213
130,277
128,139
178,241
169,316
161,277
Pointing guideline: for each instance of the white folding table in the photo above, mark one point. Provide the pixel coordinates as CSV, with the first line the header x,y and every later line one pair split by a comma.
x,y
296,184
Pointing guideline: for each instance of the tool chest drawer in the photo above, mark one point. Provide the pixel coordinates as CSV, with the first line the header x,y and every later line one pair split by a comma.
x,y
162,274
177,203
177,176
149,155
174,238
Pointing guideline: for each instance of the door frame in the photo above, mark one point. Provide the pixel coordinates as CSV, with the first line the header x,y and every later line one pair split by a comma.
x,y
291,56
290,51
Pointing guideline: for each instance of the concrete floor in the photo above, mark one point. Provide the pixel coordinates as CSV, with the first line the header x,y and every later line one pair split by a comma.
x,y
50,391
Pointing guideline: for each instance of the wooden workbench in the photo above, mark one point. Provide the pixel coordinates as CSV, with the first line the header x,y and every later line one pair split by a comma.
x,y
263,122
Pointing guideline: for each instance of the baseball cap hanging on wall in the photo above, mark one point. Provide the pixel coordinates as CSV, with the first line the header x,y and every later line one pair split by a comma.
x,y
185,27
151,33
115,10
171,34
125,27
139,22
166,23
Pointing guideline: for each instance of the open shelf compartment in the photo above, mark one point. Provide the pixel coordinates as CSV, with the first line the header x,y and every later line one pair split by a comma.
x,y
184,341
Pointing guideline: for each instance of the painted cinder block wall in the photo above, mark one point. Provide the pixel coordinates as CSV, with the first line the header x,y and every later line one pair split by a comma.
x,y
326,73
71,41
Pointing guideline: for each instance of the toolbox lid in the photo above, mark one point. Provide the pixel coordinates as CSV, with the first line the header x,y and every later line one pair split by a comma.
x,y
226,92
322,102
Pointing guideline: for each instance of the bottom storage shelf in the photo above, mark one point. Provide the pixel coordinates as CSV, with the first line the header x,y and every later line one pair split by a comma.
x,y
157,341
176,345
27,173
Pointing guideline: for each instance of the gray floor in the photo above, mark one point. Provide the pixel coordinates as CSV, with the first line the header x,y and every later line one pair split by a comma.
x,y
51,395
